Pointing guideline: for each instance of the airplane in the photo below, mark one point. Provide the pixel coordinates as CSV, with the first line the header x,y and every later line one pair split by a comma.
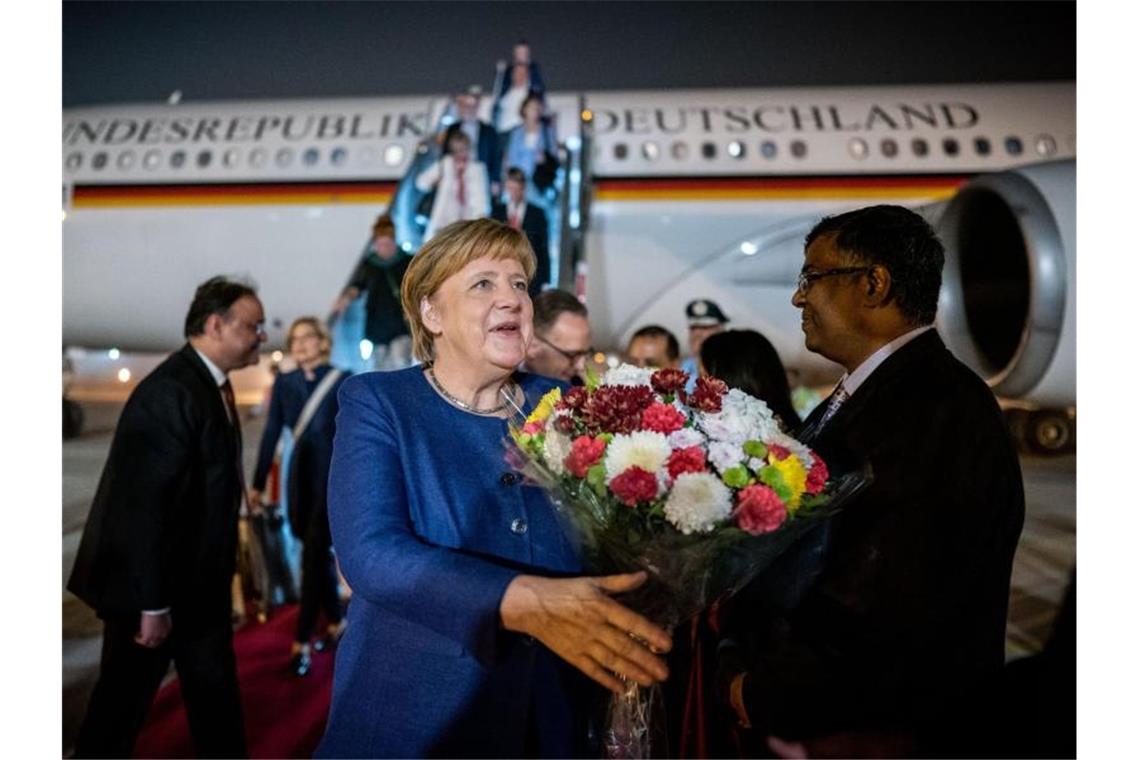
x,y
667,196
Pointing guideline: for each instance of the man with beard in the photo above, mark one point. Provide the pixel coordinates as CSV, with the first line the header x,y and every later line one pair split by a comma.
x,y
158,551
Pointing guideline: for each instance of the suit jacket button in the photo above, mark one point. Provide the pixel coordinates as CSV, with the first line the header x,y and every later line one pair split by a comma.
x,y
509,478
518,526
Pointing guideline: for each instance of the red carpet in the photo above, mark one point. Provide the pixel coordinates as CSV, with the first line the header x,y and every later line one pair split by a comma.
x,y
284,715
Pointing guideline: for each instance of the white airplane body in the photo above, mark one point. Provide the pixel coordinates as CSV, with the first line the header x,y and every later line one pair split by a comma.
x,y
682,195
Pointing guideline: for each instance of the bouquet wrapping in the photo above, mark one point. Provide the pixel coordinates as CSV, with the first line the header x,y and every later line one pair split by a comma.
x,y
703,490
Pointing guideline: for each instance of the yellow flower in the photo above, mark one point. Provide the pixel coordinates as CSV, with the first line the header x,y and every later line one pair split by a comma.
x,y
546,406
795,477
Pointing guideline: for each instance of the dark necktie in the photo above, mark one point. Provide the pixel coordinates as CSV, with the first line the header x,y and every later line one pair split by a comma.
x,y
833,405
232,413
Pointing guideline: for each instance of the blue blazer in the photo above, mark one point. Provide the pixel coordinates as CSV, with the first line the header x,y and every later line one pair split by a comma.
x,y
430,526
309,465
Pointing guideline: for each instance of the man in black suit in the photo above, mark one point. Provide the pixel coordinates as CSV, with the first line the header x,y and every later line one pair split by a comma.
x,y
157,556
531,220
906,618
484,138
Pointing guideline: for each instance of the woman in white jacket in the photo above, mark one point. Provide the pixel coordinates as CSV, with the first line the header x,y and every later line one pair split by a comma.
x,y
460,182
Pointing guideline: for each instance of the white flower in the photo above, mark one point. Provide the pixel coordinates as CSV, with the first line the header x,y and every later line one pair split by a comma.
x,y
686,437
741,418
725,454
697,502
555,449
627,374
647,450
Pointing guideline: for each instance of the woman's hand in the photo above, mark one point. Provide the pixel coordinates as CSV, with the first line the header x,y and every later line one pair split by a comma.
x,y
578,621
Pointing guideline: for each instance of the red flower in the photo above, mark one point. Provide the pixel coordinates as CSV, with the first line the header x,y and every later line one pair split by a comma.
x,y
778,452
707,394
616,408
585,452
662,418
574,399
759,510
691,459
634,485
817,477
564,424
669,380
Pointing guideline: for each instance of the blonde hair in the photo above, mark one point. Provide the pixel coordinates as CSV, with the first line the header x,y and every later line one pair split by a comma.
x,y
318,328
454,247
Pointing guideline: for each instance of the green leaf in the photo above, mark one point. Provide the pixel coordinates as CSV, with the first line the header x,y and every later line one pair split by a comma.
x,y
592,379
596,477
736,477
755,449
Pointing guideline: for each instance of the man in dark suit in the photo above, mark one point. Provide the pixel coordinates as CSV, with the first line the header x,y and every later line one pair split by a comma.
x,y
484,138
158,552
906,618
531,220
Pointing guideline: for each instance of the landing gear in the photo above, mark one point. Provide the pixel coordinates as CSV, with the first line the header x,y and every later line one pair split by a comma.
x,y
72,419
1047,432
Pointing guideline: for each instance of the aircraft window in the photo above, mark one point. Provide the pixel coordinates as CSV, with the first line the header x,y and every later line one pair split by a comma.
x,y
284,156
99,160
621,150
858,147
230,157
982,146
258,157
919,146
338,156
889,147
393,154
310,156
650,150
736,149
768,149
1045,145
177,158
74,161
950,146
204,158
152,159
1013,146
680,150
126,159
799,148
708,150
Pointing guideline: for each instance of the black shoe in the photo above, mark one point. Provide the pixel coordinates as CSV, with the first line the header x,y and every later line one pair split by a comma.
x,y
300,664
329,640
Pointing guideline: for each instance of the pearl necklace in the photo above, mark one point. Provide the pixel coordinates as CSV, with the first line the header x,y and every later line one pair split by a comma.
x,y
508,395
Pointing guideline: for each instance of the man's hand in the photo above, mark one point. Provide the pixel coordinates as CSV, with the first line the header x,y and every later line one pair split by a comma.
x,y
153,630
254,498
578,621
347,297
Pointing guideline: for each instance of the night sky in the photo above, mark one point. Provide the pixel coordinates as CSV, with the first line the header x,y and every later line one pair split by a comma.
x,y
142,51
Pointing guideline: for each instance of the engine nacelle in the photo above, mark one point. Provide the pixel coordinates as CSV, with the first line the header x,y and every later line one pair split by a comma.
x,y
1008,302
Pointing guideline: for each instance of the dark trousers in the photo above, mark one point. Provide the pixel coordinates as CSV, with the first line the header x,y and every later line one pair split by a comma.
x,y
129,677
318,578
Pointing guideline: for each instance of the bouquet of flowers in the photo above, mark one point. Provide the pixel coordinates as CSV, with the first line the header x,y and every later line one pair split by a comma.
x,y
702,490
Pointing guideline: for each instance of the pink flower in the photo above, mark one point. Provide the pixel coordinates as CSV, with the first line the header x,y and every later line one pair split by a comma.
x,y
759,510
585,452
634,485
691,459
534,428
817,477
662,418
669,380
707,394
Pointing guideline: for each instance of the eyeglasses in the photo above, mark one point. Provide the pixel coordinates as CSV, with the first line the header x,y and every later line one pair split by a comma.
x,y
570,356
803,283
